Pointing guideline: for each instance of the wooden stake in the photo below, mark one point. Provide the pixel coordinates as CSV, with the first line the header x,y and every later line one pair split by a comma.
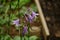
x,y
44,24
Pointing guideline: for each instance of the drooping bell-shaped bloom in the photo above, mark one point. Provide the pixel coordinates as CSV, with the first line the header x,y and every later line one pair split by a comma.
x,y
34,14
16,22
25,30
29,18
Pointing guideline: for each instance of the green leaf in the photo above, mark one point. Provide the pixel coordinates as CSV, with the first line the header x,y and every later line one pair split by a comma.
x,y
4,20
12,16
22,11
17,38
23,2
14,4
33,38
26,38
6,8
5,37
33,7
22,38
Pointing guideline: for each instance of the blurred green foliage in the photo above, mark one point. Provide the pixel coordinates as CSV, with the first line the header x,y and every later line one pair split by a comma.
x,y
7,37
5,8
7,15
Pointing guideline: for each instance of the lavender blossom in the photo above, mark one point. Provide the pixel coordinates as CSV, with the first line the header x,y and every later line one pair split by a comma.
x,y
29,18
16,22
25,30
34,14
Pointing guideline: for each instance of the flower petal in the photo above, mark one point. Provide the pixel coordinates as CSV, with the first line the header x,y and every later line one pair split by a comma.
x,y
25,30
16,22
34,14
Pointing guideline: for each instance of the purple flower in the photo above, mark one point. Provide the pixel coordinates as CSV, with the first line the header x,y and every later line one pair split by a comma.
x,y
25,30
34,14
29,18
16,22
